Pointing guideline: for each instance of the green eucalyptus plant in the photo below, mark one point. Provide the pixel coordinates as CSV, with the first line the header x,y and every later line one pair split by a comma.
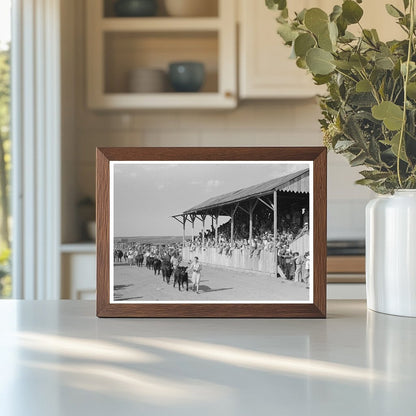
x,y
369,112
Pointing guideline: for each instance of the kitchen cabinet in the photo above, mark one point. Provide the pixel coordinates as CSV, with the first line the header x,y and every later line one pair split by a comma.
x,y
78,262
118,45
265,69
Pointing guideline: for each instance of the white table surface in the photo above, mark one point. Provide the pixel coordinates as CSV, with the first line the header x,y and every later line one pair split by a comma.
x,y
57,358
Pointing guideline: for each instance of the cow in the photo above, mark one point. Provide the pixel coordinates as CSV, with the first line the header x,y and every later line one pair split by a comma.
x,y
139,260
166,270
181,277
149,262
119,255
157,265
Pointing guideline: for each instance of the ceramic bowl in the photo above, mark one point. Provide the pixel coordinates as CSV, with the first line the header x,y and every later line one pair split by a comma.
x,y
186,76
135,8
147,81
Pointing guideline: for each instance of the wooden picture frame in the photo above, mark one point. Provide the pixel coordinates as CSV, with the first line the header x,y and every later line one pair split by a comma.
x,y
316,157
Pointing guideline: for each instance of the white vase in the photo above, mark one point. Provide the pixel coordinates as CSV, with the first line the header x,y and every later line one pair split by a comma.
x,y
391,253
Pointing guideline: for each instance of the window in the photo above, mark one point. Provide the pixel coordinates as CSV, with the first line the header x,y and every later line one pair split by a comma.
x,y
5,148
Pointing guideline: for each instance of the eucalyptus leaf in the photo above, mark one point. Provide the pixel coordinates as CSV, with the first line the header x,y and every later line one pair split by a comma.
x,y
301,63
369,36
285,13
321,79
276,4
406,4
333,32
358,61
336,12
412,68
365,182
316,20
411,117
303,43
351,11
363,86
391,114
347,37
374,175
342,25
287,33
301,15
325,42
395,144
385,62
320,61
375,35
411,90
358,160
405,21
374,151
354,132
393,11
281,19
382,89
345,65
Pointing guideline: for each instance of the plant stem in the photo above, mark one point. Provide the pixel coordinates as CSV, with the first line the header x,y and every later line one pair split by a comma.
x,y
406,80
346,75
373,88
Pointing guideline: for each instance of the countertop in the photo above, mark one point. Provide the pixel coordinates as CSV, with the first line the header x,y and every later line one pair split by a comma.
x,y
57,358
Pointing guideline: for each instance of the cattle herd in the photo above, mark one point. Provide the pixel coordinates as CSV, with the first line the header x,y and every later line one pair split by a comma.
x,y
166,264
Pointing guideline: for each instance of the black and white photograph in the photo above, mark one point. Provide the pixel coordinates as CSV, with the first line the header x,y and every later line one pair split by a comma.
x,y
220,232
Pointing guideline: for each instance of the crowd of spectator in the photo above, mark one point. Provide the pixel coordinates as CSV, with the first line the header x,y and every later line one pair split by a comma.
x,y
292,265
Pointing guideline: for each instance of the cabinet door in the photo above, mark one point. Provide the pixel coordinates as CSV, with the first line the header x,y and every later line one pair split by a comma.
x,y
78,276
265,68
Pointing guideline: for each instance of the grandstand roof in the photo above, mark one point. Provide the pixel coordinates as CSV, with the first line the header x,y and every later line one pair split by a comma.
x,y
294,182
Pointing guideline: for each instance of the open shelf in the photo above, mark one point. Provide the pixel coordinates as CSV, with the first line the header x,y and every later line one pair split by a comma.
x,y
211,9
166,101
119,45
126,51
87,247
160,24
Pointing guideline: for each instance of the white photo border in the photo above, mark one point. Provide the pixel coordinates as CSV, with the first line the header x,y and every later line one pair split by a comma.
x,y
112,164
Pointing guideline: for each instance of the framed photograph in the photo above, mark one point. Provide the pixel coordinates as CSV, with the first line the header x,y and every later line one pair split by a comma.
x,y
211,232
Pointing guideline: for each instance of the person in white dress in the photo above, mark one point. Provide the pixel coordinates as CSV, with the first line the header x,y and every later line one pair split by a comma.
x,y
307,269
130,257
196,268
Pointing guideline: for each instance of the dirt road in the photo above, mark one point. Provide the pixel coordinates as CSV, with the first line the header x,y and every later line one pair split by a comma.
x,y
140,284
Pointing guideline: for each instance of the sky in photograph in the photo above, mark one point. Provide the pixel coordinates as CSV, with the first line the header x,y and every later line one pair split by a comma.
x,y
147,195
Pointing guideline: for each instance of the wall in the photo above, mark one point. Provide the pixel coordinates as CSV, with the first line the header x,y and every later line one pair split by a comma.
x,y
254,123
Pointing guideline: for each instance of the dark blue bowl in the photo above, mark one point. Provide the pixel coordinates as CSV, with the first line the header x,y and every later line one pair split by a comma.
x,y
135,8
187,76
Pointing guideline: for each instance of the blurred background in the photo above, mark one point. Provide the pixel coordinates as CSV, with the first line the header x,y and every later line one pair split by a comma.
x,y
146,73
